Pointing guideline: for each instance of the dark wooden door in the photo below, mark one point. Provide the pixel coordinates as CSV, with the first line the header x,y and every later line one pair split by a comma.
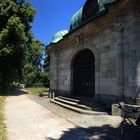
x,y
84,74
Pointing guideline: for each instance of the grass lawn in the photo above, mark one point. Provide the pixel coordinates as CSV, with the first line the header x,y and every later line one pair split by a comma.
x,y
36,90
2,124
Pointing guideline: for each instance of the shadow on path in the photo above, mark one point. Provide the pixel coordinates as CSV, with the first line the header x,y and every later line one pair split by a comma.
x,y
105,132
16,92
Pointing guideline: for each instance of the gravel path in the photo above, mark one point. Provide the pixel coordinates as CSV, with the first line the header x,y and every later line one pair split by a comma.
x,y
81,120
28,120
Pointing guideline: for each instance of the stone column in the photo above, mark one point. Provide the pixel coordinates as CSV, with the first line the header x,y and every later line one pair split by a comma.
x,y
119,27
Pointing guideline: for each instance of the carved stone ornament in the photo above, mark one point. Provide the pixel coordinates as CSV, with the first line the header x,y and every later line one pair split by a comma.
x,y
119,27
78,39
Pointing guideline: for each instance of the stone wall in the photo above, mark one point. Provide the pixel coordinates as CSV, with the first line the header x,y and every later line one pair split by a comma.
x,y
114,39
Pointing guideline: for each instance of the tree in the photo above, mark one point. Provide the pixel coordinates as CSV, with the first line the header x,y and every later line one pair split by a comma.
x,y
15,38
33,67
34,53
46,72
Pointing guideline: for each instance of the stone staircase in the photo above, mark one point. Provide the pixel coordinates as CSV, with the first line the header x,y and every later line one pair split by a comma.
x,y
81,105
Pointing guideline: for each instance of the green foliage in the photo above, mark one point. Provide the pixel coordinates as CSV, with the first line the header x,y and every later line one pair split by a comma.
x,y
30,74
34,53
46,65
32,68
46,73
36,90
15,37
46,79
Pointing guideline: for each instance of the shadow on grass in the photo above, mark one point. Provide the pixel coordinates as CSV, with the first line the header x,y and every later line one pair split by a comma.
x,y
13,92
105,132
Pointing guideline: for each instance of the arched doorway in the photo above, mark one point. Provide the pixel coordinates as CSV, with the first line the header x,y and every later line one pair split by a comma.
x,y
84,74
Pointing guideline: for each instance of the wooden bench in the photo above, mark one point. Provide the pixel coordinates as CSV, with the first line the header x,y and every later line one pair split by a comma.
x,y
44,93
48,94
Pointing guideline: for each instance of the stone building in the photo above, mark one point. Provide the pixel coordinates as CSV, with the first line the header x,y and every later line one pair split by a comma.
x,y
99,56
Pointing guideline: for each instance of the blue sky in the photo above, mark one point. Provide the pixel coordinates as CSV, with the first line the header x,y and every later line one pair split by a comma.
x,y
53,16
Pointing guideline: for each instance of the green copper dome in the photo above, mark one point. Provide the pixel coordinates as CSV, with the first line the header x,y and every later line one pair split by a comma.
x,y
91,9
106,1
76,19
59,35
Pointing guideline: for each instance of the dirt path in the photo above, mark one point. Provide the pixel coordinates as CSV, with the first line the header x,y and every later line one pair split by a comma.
x,y
27,120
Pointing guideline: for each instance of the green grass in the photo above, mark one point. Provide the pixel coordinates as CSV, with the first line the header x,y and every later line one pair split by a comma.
x,y
3,135
36,90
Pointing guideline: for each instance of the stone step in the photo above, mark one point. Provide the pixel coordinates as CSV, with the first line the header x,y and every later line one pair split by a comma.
x,y
83,100
79,110
72,103
69,99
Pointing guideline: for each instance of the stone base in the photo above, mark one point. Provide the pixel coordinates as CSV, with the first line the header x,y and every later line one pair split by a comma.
x,y
116,111
108,100
138,101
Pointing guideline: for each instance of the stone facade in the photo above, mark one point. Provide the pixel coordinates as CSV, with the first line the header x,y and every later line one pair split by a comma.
x,y
114,39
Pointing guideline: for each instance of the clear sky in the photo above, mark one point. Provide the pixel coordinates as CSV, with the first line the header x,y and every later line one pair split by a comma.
x,y
53,16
